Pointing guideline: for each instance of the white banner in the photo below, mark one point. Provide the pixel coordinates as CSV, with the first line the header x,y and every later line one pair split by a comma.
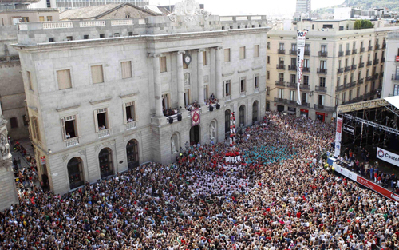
x,y
338,137
337,149
345,172
301,40
387,156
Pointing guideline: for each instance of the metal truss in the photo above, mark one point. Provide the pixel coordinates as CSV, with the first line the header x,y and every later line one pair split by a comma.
x,y
372,124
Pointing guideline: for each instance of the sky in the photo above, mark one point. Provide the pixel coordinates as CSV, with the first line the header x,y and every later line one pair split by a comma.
x,y
252,7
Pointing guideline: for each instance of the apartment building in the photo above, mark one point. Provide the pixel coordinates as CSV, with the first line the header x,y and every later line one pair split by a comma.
x,y
106,95
390,87
341,66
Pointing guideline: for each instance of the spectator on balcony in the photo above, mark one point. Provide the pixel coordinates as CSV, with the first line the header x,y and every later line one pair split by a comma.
x,y
67,136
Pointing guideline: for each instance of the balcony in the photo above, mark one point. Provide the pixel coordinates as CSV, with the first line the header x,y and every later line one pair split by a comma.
x,y
354,51
305,105
381,74
340,70
340,53
306,70
320,89
375,76
360,81
280,83
383,60
291,67
395,77
325,108
347,68
384,45
377,47
280,100
292,85
352,84
322,71
353,67
304,87
280,66
243,94
281,51
130,125
369,78
323,53
348,52
370,48
362,50
256,90
292,102
376,61
293,52
339,88
369,63
103,133
72,142
361,65
307,52
228,98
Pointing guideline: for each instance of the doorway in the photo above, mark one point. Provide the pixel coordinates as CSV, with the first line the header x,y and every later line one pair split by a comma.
x,y
194,135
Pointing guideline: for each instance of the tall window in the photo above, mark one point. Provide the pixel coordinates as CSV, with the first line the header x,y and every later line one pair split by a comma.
x,y
130,112
242,52
281,77
165,101
162,61
280,93
321,99
292,95
293,61
35,128
304,98
268,75
243,83
293,47
187,97
268,59
307,47
340,47
227,88
97,73
206,92
281,46
69,127
204,57
358,92
126,68
41,18
256,81
306,63
323,48
49,18
323,65
28,77
13,122
292,78
64,79
256,51
350,94
268,45
227,55
305,80
343,97
396,90
102,119
280,61
322,82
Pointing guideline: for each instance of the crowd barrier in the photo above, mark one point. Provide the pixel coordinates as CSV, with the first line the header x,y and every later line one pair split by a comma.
x,y
364,182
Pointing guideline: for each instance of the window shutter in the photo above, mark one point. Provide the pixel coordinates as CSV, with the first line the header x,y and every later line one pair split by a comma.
x,y
124,113
95,112
63,129
107,120
126,68
97,73
76,125
64,79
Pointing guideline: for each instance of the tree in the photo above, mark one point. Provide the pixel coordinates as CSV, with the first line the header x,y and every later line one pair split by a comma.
x,y
363,24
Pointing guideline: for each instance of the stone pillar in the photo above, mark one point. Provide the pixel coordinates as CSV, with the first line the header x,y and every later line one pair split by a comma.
x,y
218,73
157,84
180,79
201,77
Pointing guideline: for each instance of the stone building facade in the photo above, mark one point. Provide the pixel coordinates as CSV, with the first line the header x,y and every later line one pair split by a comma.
x,y
341,66
390,87
96,105
8,192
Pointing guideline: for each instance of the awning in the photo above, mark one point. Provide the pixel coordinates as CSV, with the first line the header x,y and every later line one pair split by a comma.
x,y
393,100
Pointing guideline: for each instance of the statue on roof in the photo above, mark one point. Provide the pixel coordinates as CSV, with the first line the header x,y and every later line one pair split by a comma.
x,y
189,9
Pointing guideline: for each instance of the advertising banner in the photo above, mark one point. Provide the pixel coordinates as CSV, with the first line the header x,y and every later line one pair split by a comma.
x,y
301,40
195,117
377,188
387,156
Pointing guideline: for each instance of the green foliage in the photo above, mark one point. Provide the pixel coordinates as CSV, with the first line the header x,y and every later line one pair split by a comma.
x,y
363,24
364,4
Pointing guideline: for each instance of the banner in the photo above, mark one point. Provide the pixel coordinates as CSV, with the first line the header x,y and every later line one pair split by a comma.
x,y
345,172
387,156
301,40
338,137
377,188
195,117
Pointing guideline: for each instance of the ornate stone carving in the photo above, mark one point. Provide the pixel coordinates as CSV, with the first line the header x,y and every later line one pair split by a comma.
x,y
189,9
65,157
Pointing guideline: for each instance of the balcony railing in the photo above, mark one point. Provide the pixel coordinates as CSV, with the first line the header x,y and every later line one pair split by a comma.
x,y
291,67
304,87
353,67
361,65
256,90
369,63
340,53
339,88
103,133
280,83
292,102
280,66
352,84
322,107
305,105
360,81
320,89
293,52
228,98
370,48
243,93
306,70
72,142
368,78
362,50
322,71
281,51
395,77
354,51
280,100
292,85
377,46
376,61
375,76
347,68
340,70
131,125
348,52
307,52
323,53
383,60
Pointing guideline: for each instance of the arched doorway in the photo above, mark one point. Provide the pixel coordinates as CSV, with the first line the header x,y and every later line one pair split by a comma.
x,y
195,135
106,164
255,111
132,151
227,115
242,115
75,172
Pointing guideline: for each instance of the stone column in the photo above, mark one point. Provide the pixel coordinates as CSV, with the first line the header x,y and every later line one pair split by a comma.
x,y
157,84
218,73
201,77
180,79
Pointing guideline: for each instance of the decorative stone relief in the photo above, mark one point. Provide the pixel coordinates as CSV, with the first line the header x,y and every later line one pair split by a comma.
x,y
189,9
65,157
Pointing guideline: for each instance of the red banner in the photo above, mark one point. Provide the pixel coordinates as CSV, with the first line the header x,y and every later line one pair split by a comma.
x,y
377,188
195,117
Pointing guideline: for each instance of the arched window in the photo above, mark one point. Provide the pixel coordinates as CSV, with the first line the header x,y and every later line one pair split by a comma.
x,y
75,172
106,164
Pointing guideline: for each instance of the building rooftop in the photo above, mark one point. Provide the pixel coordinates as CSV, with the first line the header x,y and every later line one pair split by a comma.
x,y
28,10
97,12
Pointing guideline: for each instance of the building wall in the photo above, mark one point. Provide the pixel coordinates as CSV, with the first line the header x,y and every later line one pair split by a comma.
x,y
154,134
391,79
33,16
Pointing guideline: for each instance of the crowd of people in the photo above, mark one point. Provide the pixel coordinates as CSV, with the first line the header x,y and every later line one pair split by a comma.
x,y
275,195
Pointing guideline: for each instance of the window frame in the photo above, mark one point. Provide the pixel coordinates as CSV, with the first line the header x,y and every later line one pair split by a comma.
x,y
91,72
70,78
242,52
131,69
